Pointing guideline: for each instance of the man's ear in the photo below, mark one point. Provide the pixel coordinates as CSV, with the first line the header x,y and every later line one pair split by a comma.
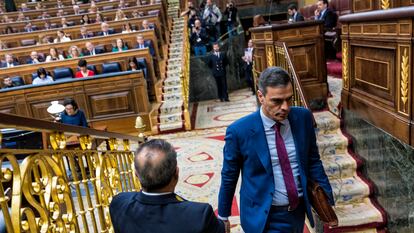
x,y
177,172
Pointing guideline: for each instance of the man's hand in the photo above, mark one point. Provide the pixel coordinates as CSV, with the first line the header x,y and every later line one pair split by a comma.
x,y
316,12
226,226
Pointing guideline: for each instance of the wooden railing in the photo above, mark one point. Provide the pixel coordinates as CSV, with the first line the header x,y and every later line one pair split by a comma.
x,y
62,187
186,75
283,59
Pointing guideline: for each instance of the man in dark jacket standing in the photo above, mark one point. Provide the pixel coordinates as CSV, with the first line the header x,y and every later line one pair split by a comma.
x,y
217,63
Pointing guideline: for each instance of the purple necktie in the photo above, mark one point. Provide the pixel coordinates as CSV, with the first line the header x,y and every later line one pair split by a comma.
x,y
284,162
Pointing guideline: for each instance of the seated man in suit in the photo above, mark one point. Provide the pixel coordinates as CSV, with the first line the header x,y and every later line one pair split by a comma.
x,y
29,27
294,15
34,58
84,33
157,208
146,25
7,83
91,50
105,31
326,14
8,61
141,43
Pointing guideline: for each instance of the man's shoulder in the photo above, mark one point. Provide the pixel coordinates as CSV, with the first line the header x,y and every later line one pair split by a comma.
x,y
300,111
245,121
121,198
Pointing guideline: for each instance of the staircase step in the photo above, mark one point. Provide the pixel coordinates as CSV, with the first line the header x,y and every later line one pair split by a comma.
x,y
349,190
330,144
339,166
172,126
327,122
170,118
173,97
356,214
172,89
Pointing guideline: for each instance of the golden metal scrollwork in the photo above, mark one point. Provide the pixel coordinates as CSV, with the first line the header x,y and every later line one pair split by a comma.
x,y
126,144
385,4
345,71
1,137
270,57
405,67
57,140
85,142
113,144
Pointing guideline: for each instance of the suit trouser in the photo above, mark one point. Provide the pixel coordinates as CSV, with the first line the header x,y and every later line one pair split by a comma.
x,y
283,221
221,87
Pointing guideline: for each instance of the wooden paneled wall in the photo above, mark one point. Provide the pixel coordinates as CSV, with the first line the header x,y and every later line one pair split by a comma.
x,y
377,69
306,46
117,99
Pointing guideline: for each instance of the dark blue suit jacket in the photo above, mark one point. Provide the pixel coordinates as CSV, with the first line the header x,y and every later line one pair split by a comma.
x,y
148,44
330,18
218,64
246,150
137,212
110,32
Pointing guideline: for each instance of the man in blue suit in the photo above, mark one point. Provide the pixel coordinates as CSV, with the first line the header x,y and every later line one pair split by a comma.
x,y
275,150
323,12
157,208
141,43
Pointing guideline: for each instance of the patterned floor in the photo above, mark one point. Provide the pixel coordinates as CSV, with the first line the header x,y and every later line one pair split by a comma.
x,y
213,113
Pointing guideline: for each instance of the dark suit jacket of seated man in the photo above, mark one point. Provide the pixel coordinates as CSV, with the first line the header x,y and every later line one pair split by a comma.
x,y
157,209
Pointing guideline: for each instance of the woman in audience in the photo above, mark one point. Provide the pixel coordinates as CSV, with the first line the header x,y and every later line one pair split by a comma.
x,y
127,28
61,37
21,17
64,23
120,46
6,19
93,9
39,6
83,70
85,19
72,114
42,77
74,52
99,18
132,63
54,55
44,39
135,14
120,15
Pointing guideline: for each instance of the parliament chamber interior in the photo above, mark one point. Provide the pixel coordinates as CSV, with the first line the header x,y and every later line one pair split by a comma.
x,y
84,83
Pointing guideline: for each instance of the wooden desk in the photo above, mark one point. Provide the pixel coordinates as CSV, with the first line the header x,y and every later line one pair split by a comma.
x,y
25,71
112,101
306,45
68,9
16,40
110,15
377,64
22,53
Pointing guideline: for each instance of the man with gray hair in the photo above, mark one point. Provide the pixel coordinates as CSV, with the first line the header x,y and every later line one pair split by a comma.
x,y
157,208
105,30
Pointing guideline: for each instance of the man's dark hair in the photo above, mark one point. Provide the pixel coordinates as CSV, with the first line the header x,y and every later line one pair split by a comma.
x,y
216,43
273,77
324,2
72,102
156,175
292,7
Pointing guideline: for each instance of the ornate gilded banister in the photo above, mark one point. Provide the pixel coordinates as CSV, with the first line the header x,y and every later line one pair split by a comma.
x,y
283,59
185,75
63,188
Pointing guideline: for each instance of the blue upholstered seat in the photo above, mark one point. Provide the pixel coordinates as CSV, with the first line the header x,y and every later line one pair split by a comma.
x,y
61,73
111,67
